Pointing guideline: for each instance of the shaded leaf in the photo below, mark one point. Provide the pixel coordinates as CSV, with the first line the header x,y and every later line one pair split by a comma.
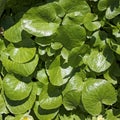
x,y
50,97
43,113
25,69
71,99
71,36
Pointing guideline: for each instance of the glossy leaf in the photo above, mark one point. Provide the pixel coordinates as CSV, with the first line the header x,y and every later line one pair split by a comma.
x,y
74,84
75,11
43,113
42,21
13,34
50,98
24,69
22,54
71,99
42,76
15,88
100,61
96,92
57,74
21,106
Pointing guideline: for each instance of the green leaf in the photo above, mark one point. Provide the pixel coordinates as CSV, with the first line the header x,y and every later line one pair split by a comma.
x,y
2,46
76,54
99,61
74,84
58,75
43,114
3,108
110,115
72,6
21,54
50,97
74,57
71,99
75,35
99,39
15,88
115,46
21,106
91,23
72,92
13,34
42,76
102,5
43,20
113,9
96,92
75,11
24,69
110,78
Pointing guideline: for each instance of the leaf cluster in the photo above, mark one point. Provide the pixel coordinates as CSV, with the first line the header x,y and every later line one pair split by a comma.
x,y
60,60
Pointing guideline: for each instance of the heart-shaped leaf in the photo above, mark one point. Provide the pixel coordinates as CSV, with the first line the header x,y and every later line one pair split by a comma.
x,y
96,92
15,88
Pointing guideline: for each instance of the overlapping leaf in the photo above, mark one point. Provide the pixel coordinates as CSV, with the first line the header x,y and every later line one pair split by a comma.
x,y
58,75
21,106
50,97
16,89
96,92
99,61
43,21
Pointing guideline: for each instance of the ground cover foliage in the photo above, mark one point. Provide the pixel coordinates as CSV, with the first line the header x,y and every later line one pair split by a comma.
x,y
60,60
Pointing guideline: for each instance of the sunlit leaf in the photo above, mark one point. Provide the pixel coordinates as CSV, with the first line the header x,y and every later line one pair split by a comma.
x,y
97,92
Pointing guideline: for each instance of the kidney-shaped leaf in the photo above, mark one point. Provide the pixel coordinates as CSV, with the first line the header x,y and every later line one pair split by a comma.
x,y
22,54
43,114
21,106
75,83
71,99
16,89
50,97
96,92
58,75
100,61
71,36
42,21
76,13
24,69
